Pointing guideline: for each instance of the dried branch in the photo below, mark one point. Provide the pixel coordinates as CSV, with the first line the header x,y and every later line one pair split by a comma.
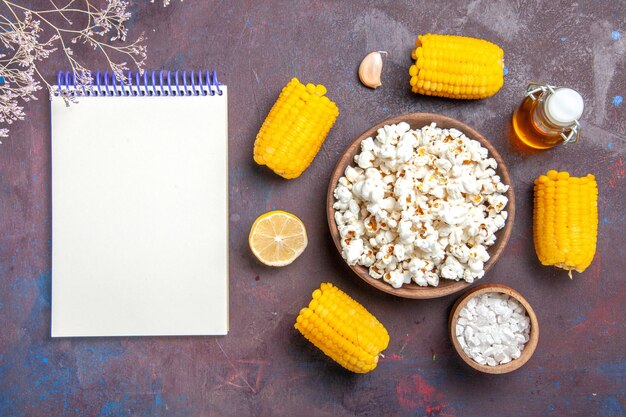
x,y
28,37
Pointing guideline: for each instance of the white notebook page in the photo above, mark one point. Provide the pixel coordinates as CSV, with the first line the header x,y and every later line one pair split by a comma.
x,y
140,216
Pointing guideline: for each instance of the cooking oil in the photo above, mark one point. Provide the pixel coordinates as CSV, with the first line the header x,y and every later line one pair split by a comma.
x,y
548,116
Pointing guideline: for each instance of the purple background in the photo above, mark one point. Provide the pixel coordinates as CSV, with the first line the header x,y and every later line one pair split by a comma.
x,y
264,367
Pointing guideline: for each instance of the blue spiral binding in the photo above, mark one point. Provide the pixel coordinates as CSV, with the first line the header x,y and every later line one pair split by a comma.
x,y
167,83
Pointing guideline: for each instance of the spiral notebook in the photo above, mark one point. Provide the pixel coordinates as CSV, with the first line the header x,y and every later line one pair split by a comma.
x,y
140,205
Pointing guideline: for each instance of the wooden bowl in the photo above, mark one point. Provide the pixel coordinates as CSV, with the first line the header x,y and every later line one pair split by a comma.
x,y
530,346
416,121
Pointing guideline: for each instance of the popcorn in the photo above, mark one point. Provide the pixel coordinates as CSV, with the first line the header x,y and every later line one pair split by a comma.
x,y
454,215
369,189
497,201
420,205
395,278
368,258
367,145
493,329
399,252
352,173
353,251
364,159
452,268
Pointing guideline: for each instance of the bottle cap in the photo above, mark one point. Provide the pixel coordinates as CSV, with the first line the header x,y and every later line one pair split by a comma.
x,y
564,106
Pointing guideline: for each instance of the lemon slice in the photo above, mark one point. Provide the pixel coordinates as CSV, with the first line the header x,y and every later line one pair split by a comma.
x,y
277,238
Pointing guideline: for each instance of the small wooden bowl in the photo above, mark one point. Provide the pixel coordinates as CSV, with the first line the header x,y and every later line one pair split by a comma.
x,y
530,346
416,121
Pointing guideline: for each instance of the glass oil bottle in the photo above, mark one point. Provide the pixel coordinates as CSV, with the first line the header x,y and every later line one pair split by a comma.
x,y
548,116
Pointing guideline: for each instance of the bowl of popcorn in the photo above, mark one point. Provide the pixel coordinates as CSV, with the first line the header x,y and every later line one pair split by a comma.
x,y
420,205
494,329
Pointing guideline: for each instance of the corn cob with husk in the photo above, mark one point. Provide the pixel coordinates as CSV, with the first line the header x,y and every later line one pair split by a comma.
x,y
295,129
456,67
565,225
343,329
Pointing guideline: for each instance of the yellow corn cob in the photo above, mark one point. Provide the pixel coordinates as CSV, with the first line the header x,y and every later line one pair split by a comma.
x,y
456,67
343,329
295,129
565,220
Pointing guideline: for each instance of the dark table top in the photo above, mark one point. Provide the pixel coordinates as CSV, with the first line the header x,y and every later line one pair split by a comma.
x,y
264,367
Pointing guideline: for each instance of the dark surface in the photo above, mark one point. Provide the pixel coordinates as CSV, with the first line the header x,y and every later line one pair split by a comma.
x,y
263,367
